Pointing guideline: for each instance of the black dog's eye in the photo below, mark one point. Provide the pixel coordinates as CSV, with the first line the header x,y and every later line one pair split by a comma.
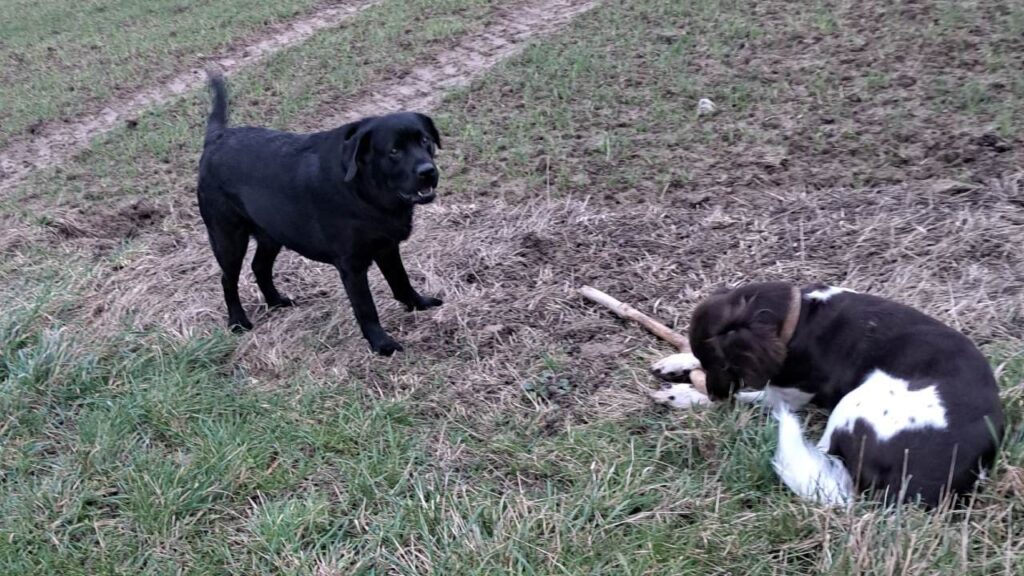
x,y
426,142
394,151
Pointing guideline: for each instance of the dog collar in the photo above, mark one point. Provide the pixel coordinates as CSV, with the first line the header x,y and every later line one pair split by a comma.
x,y
792,317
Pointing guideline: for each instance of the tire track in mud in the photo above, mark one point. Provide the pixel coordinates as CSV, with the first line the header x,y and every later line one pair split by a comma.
x,y
422,88
425,85
57,141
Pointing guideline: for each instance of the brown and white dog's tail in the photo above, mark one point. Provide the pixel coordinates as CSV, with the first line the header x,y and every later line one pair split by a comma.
x,y
808,471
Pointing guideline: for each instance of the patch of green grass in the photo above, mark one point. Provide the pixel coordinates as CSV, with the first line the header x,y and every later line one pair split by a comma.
x,y
144,454
632,76
292,89
61,58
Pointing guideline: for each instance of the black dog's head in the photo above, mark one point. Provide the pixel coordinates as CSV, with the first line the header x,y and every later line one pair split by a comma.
x,y
395,155
736,336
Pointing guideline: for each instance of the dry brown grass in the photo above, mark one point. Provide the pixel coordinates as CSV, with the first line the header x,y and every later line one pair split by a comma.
x,y
508,273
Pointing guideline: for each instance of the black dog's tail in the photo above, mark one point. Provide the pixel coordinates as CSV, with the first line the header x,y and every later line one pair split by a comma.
x,y
218,119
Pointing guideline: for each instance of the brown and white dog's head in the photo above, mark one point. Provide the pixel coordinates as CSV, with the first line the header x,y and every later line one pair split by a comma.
x,y
740,335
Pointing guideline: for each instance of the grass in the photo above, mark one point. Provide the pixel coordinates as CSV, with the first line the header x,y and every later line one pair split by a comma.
x,y
150,455
138,454
514,437
623,114
297,86
63,59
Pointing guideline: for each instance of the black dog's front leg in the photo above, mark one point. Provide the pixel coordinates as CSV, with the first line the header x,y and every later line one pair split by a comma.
x,y
390,263
358,289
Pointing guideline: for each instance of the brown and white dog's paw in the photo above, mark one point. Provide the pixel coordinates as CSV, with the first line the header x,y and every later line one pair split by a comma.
x,y
680,396
675,368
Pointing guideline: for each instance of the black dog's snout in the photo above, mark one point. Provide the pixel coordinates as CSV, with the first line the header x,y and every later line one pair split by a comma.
x,y
427,172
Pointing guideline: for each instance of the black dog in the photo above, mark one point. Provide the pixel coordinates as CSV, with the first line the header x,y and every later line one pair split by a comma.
x,y
343,197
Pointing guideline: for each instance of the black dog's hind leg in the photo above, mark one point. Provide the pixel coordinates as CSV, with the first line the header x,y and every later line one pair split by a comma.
x,y
390,264
263,267
358,289
229,246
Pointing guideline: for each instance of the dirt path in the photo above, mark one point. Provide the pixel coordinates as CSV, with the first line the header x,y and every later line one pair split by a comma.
x,y
56,142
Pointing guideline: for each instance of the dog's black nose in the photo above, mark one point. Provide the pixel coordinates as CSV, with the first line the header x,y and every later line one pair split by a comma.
x,y
426,172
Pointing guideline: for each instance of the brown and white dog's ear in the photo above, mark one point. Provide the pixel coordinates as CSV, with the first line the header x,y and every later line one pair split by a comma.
x,y
736,337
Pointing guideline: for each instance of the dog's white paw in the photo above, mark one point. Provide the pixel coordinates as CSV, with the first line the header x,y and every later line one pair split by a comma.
x,y
680,396
675,366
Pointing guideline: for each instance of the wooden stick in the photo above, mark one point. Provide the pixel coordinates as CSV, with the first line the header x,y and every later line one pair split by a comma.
x,y
625,311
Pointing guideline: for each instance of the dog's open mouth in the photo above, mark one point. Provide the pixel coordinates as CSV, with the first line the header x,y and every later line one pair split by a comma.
x,y
422,196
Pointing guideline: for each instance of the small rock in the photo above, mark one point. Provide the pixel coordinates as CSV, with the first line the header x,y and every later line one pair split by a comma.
x,y
706,107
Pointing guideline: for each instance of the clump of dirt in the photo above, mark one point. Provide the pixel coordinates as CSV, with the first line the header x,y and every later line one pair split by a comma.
x,y
122,222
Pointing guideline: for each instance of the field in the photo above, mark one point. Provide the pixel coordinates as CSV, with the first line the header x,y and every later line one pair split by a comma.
x,y
874,145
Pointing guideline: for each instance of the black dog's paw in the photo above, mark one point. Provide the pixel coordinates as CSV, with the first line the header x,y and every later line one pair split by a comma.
x,y
423,303
239,325
282,302
386,346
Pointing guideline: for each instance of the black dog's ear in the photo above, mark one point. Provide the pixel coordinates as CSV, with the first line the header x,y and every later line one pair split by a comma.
x,y
357,138
431,129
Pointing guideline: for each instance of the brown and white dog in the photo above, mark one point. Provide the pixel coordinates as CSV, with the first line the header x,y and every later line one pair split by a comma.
x,y
915,409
